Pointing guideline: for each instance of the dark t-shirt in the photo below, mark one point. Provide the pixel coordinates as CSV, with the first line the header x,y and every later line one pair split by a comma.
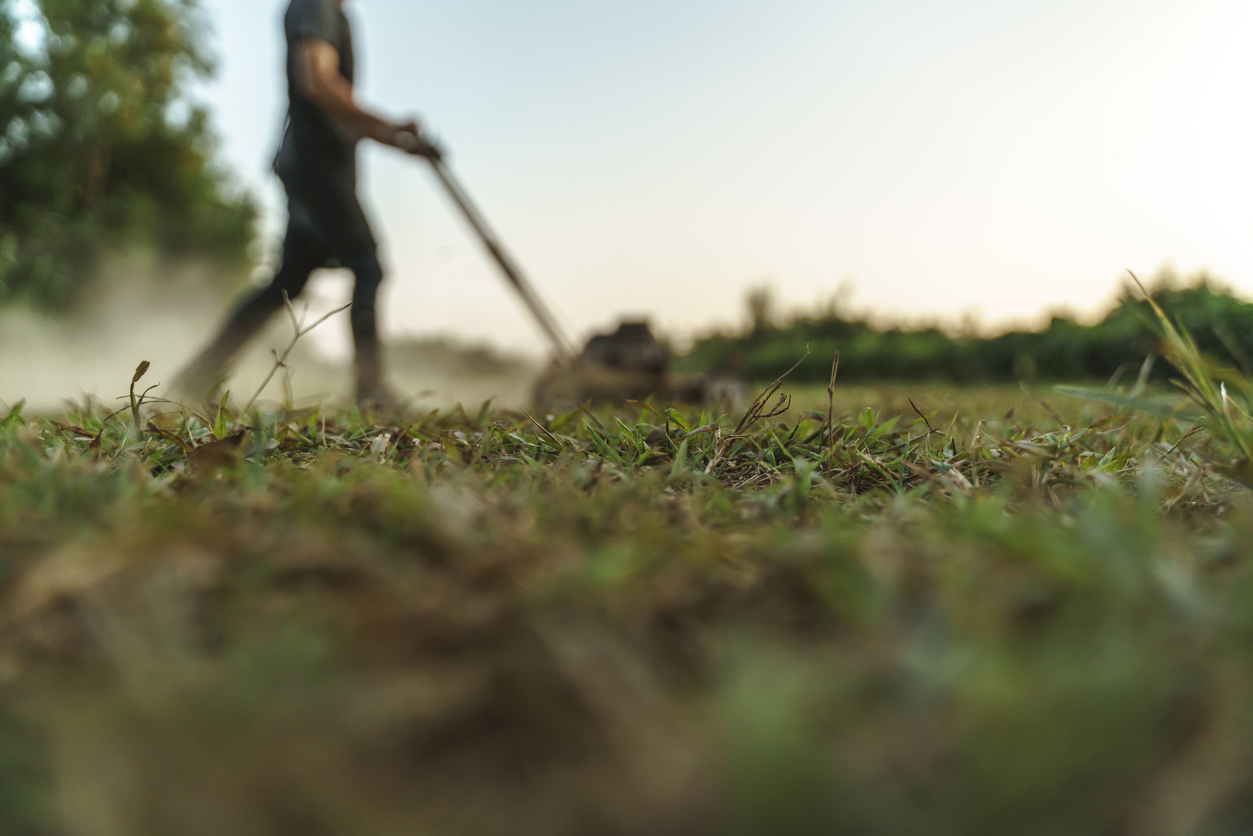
x,y
311,139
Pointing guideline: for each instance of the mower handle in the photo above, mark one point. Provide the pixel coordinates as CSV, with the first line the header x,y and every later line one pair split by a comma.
x,y
561,345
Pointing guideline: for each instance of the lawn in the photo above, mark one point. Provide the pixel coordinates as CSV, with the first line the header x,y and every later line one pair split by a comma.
x,y
959,619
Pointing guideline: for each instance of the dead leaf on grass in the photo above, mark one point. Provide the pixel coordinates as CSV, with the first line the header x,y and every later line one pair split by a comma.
x,y
217,454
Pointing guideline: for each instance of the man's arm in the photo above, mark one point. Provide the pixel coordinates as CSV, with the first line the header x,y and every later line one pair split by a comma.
x,y
321,82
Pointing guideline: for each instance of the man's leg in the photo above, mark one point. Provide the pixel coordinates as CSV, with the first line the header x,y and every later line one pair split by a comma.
x,y
368,361
302,254
332,207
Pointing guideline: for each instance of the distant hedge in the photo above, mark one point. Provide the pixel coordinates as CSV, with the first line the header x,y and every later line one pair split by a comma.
x,y
1221,323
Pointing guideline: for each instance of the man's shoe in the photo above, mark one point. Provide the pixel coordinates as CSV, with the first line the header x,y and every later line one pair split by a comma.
x,y
383,400
199,383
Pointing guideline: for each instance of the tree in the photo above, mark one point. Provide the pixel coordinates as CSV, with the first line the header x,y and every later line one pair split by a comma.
x,y
101,148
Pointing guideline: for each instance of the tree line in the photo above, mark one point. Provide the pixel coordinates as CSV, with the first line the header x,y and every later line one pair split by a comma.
x,y
1064,350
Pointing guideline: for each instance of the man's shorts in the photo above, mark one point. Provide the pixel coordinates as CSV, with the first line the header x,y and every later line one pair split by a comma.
x,y
323,206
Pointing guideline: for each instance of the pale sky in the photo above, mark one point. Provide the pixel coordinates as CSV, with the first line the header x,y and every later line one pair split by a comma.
x,y
660,157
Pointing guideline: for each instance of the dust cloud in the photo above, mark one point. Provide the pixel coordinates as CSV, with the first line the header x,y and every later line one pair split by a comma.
x,y
51,363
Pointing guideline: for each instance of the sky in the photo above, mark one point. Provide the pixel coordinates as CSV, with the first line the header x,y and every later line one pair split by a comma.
x,y
925,160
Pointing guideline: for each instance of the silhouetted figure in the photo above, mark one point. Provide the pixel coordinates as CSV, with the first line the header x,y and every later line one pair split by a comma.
x,y
326,225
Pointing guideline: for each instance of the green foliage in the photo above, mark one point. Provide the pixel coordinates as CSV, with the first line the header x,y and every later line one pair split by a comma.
x,y
1225,397
101,148
1065,350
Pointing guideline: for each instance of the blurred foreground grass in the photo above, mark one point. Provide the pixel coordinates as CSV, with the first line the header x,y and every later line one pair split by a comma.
x,y
972,622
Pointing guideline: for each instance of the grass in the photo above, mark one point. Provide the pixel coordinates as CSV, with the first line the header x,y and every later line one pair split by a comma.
x,y
945,620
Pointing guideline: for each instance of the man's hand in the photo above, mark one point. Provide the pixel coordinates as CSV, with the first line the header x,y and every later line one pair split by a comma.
x,y
394,135
408,136
410,140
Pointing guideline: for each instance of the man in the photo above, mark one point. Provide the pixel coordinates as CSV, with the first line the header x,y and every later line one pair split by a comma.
x,y
326,225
